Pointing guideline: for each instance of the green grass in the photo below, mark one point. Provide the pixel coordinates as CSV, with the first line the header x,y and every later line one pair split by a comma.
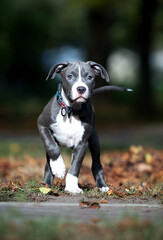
x,y
20,194
14,225
19,146
30,192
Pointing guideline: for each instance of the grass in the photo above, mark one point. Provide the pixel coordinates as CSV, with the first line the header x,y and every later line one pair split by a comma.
x,y
20,146
26,156
14,191
14,225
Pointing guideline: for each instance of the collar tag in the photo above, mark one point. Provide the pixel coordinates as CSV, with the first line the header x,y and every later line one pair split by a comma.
x,y
63,111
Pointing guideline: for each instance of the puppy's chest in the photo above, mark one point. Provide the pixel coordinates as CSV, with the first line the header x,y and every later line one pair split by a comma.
x,y
67,131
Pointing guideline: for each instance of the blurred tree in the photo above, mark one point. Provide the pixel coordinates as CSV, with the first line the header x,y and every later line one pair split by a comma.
x,y
109,28
113,24
28,27
98,39
25,29
145,99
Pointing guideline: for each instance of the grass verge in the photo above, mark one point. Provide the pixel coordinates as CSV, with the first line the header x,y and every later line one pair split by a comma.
x,y
14,225
29,191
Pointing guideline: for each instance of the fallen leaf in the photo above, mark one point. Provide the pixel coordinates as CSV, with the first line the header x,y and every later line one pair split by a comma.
x,y
110,192
45,190
54,192
143,167
15,186
94,205
83,203
136,149
148,158
117,193
104,201
89,204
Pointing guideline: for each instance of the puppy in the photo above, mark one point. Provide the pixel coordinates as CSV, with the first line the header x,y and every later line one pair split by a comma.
x,y
69,120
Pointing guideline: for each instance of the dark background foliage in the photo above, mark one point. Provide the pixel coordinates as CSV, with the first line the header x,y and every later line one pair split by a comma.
x,y
124,36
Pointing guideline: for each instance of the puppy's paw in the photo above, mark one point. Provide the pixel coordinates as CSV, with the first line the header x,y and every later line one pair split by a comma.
x,y
73,191
104,189
72,184
58,167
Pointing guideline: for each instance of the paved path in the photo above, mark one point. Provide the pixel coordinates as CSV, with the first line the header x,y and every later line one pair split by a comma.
x,y
71,212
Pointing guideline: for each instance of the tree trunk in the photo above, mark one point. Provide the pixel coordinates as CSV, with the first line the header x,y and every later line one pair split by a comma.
x,y
98,40
145,103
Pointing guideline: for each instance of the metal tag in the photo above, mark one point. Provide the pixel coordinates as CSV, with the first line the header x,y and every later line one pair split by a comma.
x,y
63,112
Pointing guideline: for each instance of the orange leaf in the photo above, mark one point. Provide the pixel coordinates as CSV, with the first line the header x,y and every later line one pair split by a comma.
x,y
110,192
54,193
117,193
104,201
94,205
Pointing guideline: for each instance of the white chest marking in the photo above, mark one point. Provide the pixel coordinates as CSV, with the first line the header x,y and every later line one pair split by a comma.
x,y
67,131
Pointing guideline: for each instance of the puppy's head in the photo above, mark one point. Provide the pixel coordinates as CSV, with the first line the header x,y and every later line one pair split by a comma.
x,y
78,79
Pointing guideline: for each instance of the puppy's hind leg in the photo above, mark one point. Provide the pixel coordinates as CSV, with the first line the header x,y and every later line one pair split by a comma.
x,y
97,169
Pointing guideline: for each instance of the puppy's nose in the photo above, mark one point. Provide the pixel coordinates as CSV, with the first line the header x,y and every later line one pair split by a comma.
x,y
81,89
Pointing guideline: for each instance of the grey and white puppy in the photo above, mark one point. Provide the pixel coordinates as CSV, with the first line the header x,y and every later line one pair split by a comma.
x,y
69,120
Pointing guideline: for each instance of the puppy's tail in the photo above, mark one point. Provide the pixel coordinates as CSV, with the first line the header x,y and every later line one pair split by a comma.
x,y
111,88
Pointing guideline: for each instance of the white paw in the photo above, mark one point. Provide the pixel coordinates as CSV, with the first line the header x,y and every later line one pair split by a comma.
x,y
72,184
104,189
58,167
74,191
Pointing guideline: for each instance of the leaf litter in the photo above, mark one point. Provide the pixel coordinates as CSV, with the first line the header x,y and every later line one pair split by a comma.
x,y
137,172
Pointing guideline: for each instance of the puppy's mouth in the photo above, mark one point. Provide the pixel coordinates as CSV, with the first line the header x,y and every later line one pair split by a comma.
x,y
80,99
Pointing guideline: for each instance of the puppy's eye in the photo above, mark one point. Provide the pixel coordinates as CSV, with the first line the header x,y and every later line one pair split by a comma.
x,y
70,77
90,77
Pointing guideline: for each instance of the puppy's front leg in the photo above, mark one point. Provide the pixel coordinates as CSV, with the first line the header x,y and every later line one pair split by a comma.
x,y
55,164
72,176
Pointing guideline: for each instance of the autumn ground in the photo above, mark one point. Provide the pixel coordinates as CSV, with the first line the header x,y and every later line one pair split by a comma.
x,y
135,172
134,175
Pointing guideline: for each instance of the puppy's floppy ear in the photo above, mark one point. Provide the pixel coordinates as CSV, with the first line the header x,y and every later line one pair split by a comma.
x,y
57,69
99,70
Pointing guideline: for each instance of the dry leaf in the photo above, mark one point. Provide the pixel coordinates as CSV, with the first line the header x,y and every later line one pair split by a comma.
x,y
83,203
142,167
45,190
148,158
90,204
120,169
117,193
94,205
136,149
104,201
110,192
54,192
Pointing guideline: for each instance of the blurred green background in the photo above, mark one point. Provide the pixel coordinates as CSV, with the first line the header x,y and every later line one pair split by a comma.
x,y
126,37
